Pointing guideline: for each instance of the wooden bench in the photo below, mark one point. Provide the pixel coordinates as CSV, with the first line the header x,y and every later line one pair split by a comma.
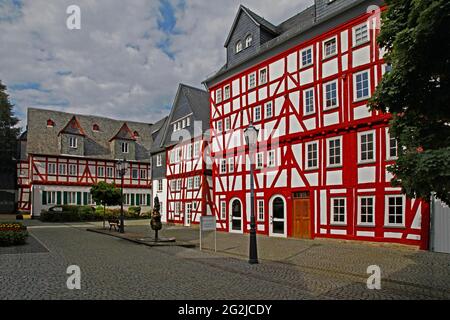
x,y
114,223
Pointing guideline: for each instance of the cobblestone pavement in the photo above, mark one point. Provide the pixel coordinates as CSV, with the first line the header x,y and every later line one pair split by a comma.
x,y
116,269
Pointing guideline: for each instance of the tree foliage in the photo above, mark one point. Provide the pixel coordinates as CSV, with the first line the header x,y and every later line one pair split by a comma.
x,y
8,132
106,194
416,37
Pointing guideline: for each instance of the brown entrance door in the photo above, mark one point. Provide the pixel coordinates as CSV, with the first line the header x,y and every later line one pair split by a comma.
x,y
301,216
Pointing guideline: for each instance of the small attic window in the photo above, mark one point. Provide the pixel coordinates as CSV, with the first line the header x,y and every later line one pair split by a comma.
x,y
95,127
50,123
136,134
248,41
238,46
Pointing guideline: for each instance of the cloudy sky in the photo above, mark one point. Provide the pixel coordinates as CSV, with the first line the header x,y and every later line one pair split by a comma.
x,y
128,57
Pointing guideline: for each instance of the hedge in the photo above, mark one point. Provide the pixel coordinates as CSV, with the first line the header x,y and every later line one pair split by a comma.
x,y
67,213
12,233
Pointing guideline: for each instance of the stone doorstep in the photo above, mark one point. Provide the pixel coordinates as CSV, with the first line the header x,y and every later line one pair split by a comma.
x,y
140,239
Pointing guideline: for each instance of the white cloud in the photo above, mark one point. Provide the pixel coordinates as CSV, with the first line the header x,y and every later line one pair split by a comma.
x,y
114,65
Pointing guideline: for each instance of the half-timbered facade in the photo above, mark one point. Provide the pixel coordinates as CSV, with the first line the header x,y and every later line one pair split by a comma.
x,y
322,156
188,175
63,155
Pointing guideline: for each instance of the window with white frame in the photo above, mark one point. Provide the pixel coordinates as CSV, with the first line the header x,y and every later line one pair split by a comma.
x,y
110,172
223,166
312,155
223,210
248,41
252,80
177,208
197,181
179,184
263,76
219,126
269,110
160,185
361,85
271,158
143,174
190,183
331,96
366,147
227,124
308,101
135,174
124,146
306,56
72,170
189,149
231,165
183,123
330,48
392,146
159,160
89,199
259,160
51,168
226,92
62,169
334,152
338,211
395,211
127,199
238,46
360,34
73,142
173,185
260,210
366,210
257,116
188,121
100,171
51,197
196,149
71,198
219,95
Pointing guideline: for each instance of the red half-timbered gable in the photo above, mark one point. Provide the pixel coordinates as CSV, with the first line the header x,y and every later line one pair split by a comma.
x,y
322,156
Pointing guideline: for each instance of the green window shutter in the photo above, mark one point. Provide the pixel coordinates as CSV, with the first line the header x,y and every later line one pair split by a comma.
x,y
79,198
44,197
138,199
64,197
58,197
148,199
85,198
132,199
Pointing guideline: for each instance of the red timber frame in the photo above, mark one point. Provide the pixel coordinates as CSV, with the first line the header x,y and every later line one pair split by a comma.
x,y
285,90
36,169
186,168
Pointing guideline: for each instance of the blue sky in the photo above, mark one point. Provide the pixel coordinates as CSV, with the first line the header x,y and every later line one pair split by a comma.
x,y
128,58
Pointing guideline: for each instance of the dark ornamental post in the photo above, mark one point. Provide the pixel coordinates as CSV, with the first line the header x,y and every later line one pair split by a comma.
x,y
251,137
155,222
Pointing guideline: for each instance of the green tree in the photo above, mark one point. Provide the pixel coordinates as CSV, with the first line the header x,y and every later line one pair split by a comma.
x,y
107,194
8,132
416,36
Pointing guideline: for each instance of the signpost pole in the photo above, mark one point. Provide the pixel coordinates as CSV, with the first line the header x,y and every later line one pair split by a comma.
x,y
200,235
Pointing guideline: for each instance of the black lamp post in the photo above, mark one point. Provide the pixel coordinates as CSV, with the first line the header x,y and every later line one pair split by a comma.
x,y
251,138
121,168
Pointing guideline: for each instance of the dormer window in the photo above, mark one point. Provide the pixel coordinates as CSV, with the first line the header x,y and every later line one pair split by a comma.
x,y
124,146
136,134
248,41
50,123
95,127
73,142
238,46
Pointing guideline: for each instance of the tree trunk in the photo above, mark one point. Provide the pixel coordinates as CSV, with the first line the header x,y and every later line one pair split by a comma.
x,y
104,214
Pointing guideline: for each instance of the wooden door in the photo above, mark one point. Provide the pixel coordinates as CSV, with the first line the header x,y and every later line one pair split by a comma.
x,y
301,227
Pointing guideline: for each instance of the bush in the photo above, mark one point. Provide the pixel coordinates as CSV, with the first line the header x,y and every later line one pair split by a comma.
x,y
69,214
13,233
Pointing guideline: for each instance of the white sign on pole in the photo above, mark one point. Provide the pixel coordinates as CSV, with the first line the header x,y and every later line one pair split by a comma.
x,y
208,223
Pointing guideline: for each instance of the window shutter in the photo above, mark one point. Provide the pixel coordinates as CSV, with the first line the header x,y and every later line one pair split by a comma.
x,y
138,199
44,197
58,197
85,198
132,199
79,198
148,200
64,197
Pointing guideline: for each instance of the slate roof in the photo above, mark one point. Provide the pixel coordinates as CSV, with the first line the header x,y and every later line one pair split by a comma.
x,y
189,100
73,127
288,29
157,135
44,140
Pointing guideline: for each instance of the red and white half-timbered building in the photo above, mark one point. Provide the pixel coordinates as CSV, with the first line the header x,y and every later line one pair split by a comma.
x,y
63,155
188,175
322,156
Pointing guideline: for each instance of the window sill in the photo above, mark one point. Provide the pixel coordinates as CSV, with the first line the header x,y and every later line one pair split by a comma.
x,y
359,45
325,59
338,224
334,166
361,99
366,162
391,226
364,225
325,109
306,67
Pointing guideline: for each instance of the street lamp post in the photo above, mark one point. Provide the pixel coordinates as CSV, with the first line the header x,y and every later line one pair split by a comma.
x,y
251,137
121,167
